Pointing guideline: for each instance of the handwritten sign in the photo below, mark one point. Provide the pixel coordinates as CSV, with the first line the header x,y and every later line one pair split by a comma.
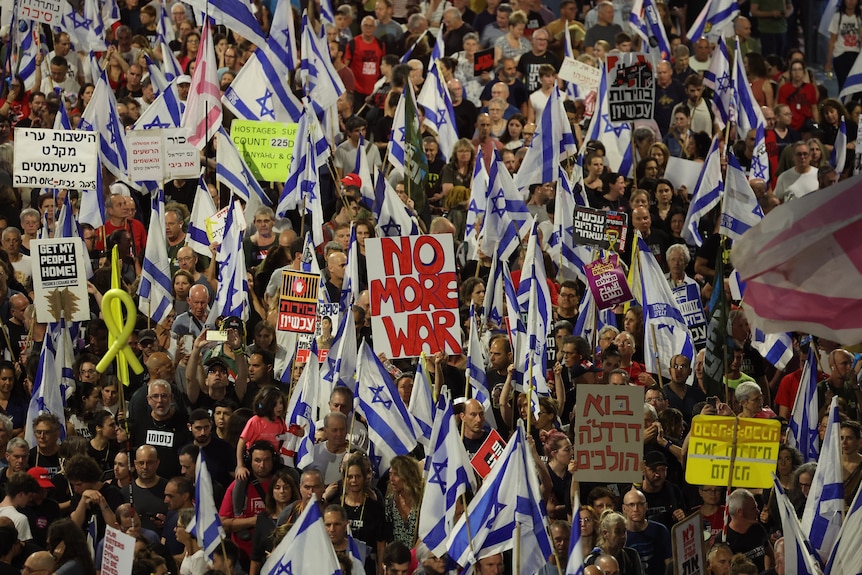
x,y
607,282
47,11
119,552
607,440
599,227
689,304
711,446
267,147
414,295
483,61
56,159
180,159
297,306
60,280
687,539
216,222
584,76
631,87
488,454
145,155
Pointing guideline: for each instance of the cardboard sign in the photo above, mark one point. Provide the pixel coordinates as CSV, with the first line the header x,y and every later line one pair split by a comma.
x,y
180,159
483,61
687,541
60,279
607,282
303,343
608,431
267,147
689,304
598,227
488,454
118,552
414,295
585,76
145,155
47,11
631,87
711,446
56,159
297,306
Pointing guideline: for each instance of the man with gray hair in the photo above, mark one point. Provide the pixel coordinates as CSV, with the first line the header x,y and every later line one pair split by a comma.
x,y
327,455
456,29
164,427
22,264
745,534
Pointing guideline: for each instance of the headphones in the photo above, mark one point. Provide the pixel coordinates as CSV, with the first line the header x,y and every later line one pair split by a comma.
x,y
260,445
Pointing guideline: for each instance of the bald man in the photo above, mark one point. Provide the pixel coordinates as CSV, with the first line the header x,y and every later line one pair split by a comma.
x,y
15,325
473,422
193,321
336,263
40,561
190,260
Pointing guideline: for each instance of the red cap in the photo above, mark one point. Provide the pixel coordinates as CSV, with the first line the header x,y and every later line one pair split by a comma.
x,y
41,475
352,180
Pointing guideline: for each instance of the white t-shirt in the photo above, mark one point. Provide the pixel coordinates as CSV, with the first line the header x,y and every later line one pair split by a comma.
x,y
791,184
847,29
20,521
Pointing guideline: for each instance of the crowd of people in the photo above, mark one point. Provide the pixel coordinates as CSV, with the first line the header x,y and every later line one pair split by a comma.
x,y
126,457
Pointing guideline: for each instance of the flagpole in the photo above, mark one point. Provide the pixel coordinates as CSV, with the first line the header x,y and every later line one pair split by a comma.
x,y
732,461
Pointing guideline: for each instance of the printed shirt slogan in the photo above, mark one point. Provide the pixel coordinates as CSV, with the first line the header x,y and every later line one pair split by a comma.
x,y
414,295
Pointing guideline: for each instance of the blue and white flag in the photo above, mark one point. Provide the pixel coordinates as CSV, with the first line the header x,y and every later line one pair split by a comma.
x,y
646,22
393,219
164,28
305,407
838,157
439,113
390,426
406,57
718,77
509,497
157,77
506,215
363,170
323,85
342,358
421,405
829,11
569,257
170,65
552,143
27,44
91,205
282,36
665,330
258,93
206,525
449,474
327,14
203,208
232,294
824,508
306,548
492,306
155,291
110,13
799,556
478,196
750,117
575,564
233,172
437,49
164,112
706,195
350,286
572,89
587,319
804,418
853,83
776,348
845,556
616,139
234,15
714,20
740,209
101,116
54,378
475,373
86,29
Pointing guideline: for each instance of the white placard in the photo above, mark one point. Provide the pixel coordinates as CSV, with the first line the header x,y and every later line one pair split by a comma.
x,y
47,11
585,76
682,172
181,160
60,279
216,222
145,155
56,159
119,552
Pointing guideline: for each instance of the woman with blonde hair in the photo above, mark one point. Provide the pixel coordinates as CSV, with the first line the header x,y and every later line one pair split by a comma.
x,y
660,153
403,498
459,170
513,44
611,540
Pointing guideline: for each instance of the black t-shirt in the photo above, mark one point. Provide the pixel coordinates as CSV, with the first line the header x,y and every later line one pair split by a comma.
x,y
528,67
473,445
753,544
150,502
465,118
661,505
368,524
166,436
221,460
666,100
517,93
113,498
40,518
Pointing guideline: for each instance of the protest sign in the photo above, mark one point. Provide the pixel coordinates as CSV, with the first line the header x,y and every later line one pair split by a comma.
x,y
145,155
180,159
414,295
267,147
216,222
689,304
598,227
60,279
56,159
303,344
47,11
687,541
488,454
682,172
118,553
297,306
607,282
483,61
607,440
711,444
585,76
631,87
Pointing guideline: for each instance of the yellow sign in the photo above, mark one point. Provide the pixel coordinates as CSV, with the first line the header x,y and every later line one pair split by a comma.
x,y
711,445
267,147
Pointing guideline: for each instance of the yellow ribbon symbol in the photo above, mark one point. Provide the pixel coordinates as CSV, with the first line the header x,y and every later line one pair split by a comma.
x,y
113,316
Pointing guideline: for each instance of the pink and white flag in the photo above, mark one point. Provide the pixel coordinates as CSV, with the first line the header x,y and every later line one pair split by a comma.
x,y
203,115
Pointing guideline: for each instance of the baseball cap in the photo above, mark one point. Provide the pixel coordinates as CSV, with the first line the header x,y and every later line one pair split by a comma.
x,y
352,180
184,79
654,459
41,475
216,361
146,335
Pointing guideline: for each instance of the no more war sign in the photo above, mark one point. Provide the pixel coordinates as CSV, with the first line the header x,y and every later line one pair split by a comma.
x,y
413,289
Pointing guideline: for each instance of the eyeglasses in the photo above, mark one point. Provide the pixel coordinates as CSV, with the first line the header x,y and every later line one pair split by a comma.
x,y
679,366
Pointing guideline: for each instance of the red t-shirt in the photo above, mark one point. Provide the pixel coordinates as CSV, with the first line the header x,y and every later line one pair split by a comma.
x,y
254,506
363,58
136,228
800,101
